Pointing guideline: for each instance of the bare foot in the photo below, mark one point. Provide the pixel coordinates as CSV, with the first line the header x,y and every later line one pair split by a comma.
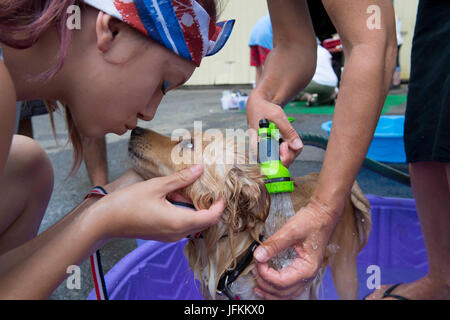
x,y
423,289
312,99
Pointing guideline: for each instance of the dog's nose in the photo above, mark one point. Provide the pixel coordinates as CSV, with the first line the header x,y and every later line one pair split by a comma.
x,y
138,131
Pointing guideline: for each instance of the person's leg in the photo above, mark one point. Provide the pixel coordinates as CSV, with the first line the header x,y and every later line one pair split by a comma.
x,y
430,183
447,169
26,186
431,191
95,158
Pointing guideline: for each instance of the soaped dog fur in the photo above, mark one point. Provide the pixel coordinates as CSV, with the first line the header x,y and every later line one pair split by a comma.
x,y
248,203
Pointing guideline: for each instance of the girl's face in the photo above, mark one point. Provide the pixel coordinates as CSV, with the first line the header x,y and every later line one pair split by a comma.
x,y
112,75
119,95
119,76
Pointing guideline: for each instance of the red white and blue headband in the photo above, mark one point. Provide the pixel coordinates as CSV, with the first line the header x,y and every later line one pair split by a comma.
x,y
182,26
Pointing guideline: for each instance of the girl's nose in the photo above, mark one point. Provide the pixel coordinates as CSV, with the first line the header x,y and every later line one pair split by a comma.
x,y
149,112
145,118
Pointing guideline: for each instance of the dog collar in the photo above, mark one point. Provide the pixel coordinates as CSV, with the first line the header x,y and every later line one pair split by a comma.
x,y
229,276
182,204
186,205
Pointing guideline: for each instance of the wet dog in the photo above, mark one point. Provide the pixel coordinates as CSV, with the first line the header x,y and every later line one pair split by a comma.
x,y
250,214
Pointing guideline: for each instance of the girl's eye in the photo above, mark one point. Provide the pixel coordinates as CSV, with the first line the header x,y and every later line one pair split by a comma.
x,y
165,86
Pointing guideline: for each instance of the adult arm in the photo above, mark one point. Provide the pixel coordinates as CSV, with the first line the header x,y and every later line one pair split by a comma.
x,y
370,61
288,69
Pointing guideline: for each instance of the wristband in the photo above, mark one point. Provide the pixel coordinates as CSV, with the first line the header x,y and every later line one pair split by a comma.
x,y
96,191
96,263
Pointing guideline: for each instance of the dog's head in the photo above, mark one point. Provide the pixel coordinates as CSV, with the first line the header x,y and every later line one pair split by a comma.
x,y
227,174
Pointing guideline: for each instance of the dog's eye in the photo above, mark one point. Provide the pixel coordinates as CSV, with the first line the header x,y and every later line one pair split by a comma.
x,y
189,144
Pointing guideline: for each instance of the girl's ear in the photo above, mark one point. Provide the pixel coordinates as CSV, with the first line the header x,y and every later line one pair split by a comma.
x,y
106,29
249,202
117,41
245,194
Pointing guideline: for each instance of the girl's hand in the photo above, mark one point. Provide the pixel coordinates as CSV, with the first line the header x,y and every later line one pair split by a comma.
x,y
128,178
308,233
142,210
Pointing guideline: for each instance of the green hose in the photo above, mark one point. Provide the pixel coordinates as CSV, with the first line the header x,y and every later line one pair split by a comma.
x,y
321,142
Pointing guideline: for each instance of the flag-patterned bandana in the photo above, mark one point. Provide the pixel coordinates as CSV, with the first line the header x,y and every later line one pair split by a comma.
x,y
182,26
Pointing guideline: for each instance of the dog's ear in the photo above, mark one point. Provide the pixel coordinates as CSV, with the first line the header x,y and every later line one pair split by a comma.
x,y
245,194
247,207
248,201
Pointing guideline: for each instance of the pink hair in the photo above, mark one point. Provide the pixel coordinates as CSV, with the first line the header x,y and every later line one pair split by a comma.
x,y
31,19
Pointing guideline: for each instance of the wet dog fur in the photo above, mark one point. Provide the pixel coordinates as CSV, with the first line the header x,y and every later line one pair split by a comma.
x,y
247,207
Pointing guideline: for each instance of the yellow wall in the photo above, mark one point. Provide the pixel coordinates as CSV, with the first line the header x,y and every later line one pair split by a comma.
x,y
232,64
406,10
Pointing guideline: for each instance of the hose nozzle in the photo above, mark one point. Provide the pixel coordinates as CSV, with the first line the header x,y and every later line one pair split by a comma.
x,y
278,178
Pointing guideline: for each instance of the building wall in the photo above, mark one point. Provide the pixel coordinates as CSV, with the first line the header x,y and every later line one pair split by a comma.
x,y
406,10
232,64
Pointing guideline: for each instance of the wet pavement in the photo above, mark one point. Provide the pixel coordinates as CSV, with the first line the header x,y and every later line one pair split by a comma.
x,y
178,110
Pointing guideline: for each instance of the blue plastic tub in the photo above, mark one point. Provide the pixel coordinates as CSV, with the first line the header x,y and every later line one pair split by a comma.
x,y
387,144
157,270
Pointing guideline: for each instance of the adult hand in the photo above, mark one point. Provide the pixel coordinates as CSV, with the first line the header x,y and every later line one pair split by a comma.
x,y
258,108
308,233
142,210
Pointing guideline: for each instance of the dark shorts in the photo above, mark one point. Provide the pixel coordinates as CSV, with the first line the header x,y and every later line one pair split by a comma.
x,y
427,118
258,55
29,109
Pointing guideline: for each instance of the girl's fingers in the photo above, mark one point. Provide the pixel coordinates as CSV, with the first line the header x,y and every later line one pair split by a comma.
x,y
196,221
177,180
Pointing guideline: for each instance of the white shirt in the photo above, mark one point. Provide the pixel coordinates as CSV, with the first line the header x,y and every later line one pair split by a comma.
x,y
325,74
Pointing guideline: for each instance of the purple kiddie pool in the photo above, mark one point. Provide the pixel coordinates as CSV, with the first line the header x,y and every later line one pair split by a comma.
x,y
395,251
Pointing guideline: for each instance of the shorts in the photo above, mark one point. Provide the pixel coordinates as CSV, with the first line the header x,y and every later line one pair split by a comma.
x,y
427,117
258,55
29,109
